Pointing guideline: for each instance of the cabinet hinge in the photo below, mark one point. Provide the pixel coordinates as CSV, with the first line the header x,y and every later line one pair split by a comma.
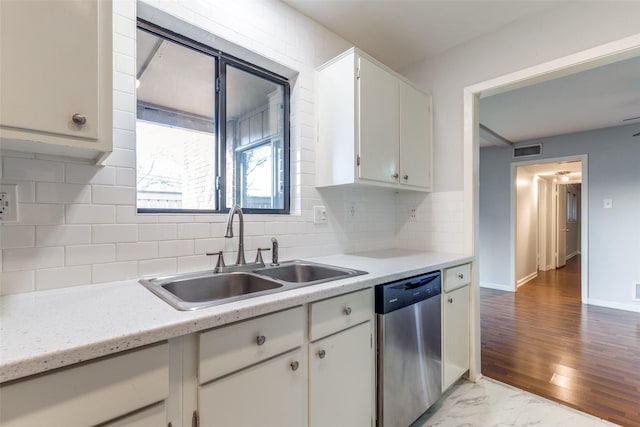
x,y
357,73
358,160
371,340
217,84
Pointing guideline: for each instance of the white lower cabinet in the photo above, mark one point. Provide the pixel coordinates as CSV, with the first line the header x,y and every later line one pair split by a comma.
x,y
455,324
269,394
125,389
341,379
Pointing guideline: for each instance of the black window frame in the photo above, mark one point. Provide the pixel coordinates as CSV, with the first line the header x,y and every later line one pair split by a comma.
x,y
222,60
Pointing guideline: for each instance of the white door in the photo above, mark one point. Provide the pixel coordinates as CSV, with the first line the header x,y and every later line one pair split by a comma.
x,y
51,73
341,379
561,228
415,137
378,123
269,394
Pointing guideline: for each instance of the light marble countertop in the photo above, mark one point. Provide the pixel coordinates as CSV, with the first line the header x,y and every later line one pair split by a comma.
x,y
40,331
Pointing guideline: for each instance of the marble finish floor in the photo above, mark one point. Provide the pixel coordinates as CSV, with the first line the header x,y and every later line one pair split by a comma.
x,y
489,403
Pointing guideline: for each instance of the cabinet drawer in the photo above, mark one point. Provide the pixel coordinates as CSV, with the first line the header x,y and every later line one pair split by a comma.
x,y
90,393
456,277
335,314
229,348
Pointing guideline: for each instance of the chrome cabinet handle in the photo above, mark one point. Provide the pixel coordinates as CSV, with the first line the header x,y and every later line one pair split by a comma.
x,y
347,311
395,175
322,354
295,365
79,119
450,300
261,339
460,276
405,177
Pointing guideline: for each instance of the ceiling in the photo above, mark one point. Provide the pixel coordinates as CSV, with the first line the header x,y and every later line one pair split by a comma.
x,y
401,32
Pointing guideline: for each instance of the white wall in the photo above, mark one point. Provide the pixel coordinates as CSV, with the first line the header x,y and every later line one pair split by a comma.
x,y
78,223
526,225
614,234
571,28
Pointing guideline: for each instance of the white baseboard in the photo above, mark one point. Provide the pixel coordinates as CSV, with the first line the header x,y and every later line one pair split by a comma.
x,y
571,255
613,304
527,278
496,286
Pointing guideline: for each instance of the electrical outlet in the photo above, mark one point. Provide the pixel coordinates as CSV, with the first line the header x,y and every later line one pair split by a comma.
x,y
320,215
8,202
351,210
413,215
607,203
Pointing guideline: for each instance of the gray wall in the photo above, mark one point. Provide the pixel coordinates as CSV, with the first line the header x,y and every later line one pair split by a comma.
x,y
570,28
614,234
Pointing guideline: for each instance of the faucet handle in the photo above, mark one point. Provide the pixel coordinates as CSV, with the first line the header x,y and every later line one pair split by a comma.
x,y
220,264
259,255
274,252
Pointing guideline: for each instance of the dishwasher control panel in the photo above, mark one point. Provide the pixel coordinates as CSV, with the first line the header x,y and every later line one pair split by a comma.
x,y
395,295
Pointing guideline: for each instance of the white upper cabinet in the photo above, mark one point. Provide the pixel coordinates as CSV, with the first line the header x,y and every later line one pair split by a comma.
x,y
56,77
374,127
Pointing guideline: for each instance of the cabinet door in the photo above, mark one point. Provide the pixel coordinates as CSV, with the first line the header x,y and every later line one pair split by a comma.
x,y
415,137
378,123
270,394
49,66
455,335
154,416
341,379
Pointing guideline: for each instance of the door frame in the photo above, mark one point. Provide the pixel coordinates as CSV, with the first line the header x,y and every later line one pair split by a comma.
x,y
584,235
607,53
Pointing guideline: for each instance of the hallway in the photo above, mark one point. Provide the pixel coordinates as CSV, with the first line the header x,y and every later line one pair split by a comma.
x,y
543,340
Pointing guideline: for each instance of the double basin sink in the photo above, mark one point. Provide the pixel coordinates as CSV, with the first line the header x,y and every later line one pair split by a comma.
x,y
191,291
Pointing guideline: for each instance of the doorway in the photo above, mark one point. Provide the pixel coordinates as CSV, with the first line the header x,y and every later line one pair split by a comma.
x,y
547,217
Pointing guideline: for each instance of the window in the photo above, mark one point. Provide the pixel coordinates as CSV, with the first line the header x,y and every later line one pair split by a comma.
x,y
211,130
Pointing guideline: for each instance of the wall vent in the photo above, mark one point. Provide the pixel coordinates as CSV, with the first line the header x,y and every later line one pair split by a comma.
x,y
527,150
636,291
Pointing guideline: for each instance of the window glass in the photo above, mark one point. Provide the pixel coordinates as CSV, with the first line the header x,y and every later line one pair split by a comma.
x,y
255,135
175,135
211,130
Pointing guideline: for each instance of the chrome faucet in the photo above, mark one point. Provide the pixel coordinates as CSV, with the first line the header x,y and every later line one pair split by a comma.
x,y
229,234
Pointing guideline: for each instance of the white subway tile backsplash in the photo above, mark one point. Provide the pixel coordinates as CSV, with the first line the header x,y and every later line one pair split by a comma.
x,y
159,266
90,214
112,195
125,138
157,232
194,263
60,235
136,251
36,214
203,246
32,258
17,282
193,231
47,192
126,177
26,191
90,254
62,277
111,272
114,233
89,174
17,236
32,169
128,215
171,248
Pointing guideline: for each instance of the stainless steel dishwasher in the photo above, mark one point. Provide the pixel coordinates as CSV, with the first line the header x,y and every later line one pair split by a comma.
x,y
409,363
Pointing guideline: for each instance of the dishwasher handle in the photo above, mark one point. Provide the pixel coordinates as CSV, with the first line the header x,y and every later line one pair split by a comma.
x,y
419,283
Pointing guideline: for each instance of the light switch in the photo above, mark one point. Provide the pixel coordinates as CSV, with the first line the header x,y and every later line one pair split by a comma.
x,y
607,203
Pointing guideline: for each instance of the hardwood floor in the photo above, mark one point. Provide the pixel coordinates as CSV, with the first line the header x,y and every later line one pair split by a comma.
x,y
543,340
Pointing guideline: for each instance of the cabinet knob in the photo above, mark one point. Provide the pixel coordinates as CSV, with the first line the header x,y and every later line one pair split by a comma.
x,y
405,177
395,175
450,300
322,354
261,339
79,119
460,276
347,311
295,365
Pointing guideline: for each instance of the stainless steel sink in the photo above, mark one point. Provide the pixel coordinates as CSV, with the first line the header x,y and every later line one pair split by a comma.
x,y
297,271
191,291
206,289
